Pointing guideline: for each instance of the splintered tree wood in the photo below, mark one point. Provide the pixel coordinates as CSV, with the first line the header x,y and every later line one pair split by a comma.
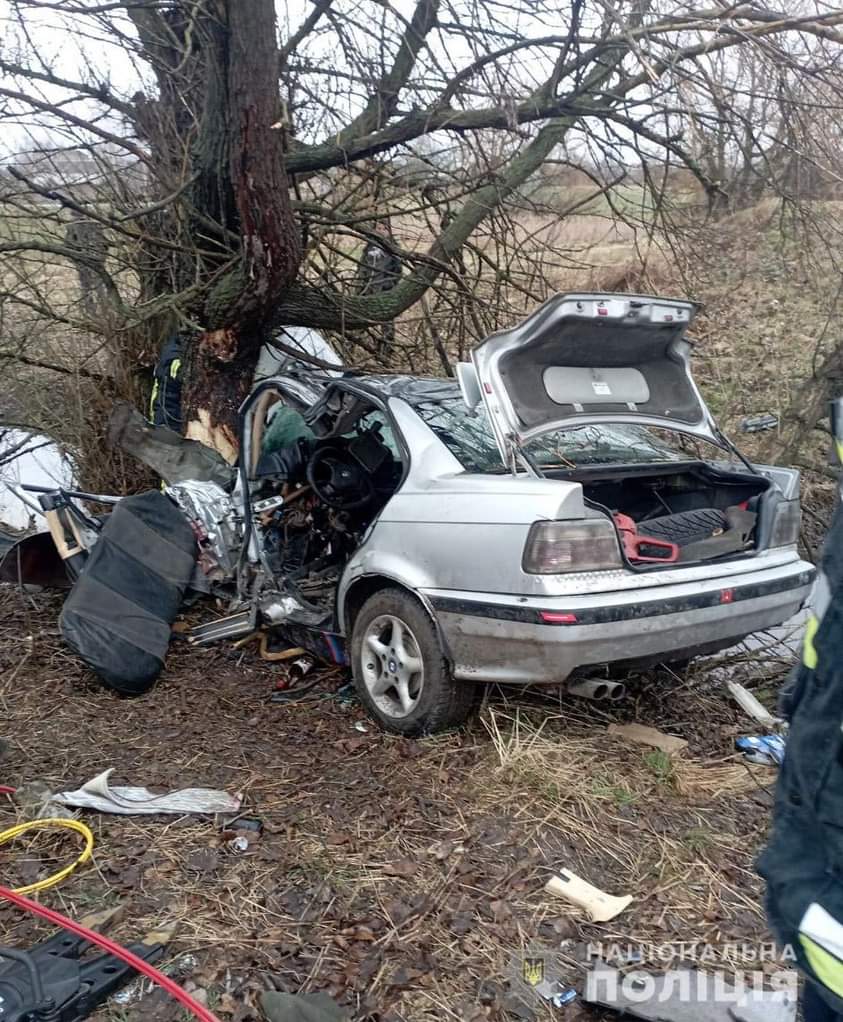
x,y
219,438
601,907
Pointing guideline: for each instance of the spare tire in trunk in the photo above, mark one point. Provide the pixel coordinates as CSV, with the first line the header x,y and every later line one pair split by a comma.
x,y
685,527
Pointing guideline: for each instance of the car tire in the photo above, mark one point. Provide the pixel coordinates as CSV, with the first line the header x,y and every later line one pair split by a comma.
x,y
395,643
685,527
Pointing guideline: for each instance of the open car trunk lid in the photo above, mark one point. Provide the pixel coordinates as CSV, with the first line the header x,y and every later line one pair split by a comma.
x,y
592,358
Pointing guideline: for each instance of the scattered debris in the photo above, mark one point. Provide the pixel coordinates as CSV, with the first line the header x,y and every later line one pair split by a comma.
x,y
749,704
643,735
361,727
685,995
601,907
566,997
52,973
515,1007
759,423
139,988
765,749
265,653
98,794
555,993
468,834
279,1007
239,835
299,668
247,823
563,996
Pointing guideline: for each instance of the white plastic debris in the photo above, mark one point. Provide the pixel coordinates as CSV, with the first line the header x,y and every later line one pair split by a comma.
x,y
750,705
98,794
600,906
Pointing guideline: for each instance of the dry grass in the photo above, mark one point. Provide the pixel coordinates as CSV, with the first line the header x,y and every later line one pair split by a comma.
x,y
641,815
401,877
533,748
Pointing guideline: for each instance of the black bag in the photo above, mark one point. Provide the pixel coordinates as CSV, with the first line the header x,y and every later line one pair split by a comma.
x,y
118,614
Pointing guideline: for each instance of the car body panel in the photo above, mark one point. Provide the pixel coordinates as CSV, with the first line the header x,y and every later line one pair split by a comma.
x,y
787,480
590,359
502,639
436,488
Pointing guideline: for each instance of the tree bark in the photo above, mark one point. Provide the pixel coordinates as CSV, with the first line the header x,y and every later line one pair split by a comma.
x,y
228,65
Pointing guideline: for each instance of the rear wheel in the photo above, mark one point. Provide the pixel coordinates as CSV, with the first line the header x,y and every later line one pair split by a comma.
x,y
399,671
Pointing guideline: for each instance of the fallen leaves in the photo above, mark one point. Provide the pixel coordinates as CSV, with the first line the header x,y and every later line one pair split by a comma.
x,y
203,860
403,868
500,909
395,875
442,850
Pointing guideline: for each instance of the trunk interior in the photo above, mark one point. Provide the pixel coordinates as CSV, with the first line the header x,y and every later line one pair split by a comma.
x,y
682,513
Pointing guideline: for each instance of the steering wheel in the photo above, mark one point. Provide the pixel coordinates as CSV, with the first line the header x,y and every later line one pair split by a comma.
x,y
337,481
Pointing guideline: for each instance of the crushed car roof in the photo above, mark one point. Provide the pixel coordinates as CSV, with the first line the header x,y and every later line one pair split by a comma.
x,y
412,389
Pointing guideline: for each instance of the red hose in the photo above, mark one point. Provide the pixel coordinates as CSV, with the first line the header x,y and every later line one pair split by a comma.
x,y
6,790
127,956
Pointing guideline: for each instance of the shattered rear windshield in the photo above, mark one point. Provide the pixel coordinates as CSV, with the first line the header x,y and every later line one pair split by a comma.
x,y
468,436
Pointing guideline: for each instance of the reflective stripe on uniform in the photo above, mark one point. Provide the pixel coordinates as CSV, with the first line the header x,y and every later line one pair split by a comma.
x,y
821,937
175,366
820,601
827,968
153,399
809,652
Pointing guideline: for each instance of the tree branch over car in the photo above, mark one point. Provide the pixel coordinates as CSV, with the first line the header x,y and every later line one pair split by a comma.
x,y
213,133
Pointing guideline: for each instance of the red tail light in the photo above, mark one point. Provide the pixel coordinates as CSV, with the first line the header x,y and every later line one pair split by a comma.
x,y
558,547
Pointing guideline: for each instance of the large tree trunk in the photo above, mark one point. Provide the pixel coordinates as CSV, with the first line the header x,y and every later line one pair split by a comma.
x,y
241,220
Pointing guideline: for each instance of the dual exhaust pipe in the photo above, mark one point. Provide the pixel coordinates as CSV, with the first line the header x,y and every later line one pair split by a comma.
x,y
598,691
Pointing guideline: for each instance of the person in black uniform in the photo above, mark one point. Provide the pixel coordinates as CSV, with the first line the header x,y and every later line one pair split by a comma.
x,y
803,861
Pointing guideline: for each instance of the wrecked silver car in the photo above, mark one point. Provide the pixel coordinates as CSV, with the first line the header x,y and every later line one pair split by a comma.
x,y
547,513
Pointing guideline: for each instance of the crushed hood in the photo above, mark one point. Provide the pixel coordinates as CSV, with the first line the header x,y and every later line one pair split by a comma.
x,y
592,358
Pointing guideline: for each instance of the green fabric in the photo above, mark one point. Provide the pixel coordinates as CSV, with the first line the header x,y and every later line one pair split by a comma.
x,y
280,1007
827,968
284,428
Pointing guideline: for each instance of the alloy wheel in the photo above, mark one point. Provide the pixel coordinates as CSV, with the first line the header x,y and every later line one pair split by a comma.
x,y
392,666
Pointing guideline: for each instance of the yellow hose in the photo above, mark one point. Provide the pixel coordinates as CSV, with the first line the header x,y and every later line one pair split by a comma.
x,y
56,878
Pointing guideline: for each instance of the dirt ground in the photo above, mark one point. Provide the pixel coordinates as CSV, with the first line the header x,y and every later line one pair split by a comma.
x,y
402,877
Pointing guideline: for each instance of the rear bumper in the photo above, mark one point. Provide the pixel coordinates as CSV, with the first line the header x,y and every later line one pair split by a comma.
x,y
523,640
